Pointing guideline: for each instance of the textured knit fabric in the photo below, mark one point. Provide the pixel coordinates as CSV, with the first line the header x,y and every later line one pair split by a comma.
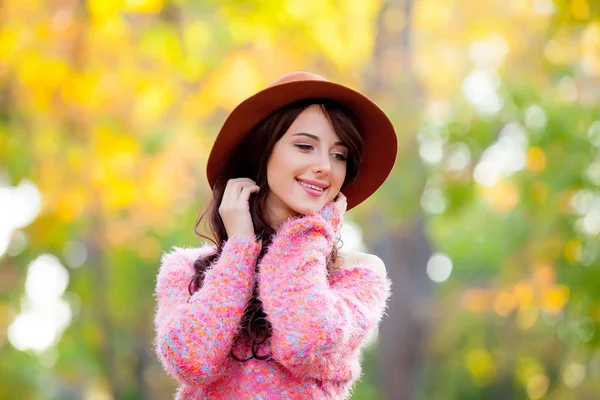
x,y
320,322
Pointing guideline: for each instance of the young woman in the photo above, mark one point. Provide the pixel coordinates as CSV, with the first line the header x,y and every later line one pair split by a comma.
x,y
273,310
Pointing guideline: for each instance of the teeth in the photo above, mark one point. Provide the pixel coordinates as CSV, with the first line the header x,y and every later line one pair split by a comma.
x,y
311,186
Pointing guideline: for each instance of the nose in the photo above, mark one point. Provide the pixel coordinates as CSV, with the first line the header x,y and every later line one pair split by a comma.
x,y
322,166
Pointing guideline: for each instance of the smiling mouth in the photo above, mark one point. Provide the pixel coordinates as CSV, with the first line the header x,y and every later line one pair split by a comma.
x,y
308,185
318,189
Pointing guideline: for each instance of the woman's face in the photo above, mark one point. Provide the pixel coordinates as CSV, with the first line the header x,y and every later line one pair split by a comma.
x,y
307,167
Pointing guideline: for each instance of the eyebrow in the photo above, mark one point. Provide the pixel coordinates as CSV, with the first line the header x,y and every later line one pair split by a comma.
x,y
317,138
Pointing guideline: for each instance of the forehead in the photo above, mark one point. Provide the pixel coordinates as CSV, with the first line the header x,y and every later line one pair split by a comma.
x,y
314,121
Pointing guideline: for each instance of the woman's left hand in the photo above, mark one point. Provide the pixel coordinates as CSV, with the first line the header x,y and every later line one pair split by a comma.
x,y
341,203
333,212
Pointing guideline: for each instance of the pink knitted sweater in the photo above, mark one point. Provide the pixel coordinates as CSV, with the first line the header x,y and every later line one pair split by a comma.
x,y
320,322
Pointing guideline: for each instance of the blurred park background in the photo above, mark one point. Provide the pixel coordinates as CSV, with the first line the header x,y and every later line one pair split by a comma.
x,y
489,224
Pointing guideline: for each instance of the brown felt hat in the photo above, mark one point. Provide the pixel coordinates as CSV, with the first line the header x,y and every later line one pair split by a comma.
x,y
379,136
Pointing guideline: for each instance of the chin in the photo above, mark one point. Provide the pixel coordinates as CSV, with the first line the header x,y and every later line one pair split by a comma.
x,y
307,209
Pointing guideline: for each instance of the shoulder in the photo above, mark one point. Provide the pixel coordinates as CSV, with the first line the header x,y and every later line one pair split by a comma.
x,y
363,274
359,259
184,257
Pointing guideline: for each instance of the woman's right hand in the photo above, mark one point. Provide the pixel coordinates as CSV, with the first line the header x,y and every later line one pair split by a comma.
x,y
235,207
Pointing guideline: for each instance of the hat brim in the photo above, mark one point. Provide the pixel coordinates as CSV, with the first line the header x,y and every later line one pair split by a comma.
x,y
379,136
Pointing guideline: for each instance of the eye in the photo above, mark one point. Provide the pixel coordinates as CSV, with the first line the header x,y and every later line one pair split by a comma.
x,y
304,147
340,156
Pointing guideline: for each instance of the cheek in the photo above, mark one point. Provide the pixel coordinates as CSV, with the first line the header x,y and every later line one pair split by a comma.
x,y
280,174
286,165
339,175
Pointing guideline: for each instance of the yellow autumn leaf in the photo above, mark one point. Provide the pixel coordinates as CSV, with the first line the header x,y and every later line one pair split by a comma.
x,y
553,300
344,37
30,69
9,39
539,192
590,49
527,367
47,145
108,37
503,196
120,232
102,9
143,6
527,317
536,159
524,293
108,144
239,78
120,193
481,365
148,248
476,300
537,386
81,89
152,103
76,158
543,274
72,202
580,9
505,303
572,251
197,35
41,100
157,189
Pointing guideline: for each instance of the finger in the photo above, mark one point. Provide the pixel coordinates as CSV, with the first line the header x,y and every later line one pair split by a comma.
x,y
243,178
234,188
342,202
236,181
239,185
246,192
230,193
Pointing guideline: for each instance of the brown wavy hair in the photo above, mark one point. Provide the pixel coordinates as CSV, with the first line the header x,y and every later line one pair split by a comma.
x,y
249,160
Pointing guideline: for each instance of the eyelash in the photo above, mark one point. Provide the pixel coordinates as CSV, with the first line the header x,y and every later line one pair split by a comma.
x,y
306,147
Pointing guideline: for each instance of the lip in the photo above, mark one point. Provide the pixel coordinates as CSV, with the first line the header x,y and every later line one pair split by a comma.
x,y
312,192
314,183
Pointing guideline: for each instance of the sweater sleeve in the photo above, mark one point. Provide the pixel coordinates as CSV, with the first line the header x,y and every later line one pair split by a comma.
x,y
319,323
194,334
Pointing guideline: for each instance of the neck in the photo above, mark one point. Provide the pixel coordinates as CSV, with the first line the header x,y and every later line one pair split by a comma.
x,y
276,212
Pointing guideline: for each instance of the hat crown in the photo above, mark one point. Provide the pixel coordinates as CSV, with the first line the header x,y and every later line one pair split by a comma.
x,y
296,76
